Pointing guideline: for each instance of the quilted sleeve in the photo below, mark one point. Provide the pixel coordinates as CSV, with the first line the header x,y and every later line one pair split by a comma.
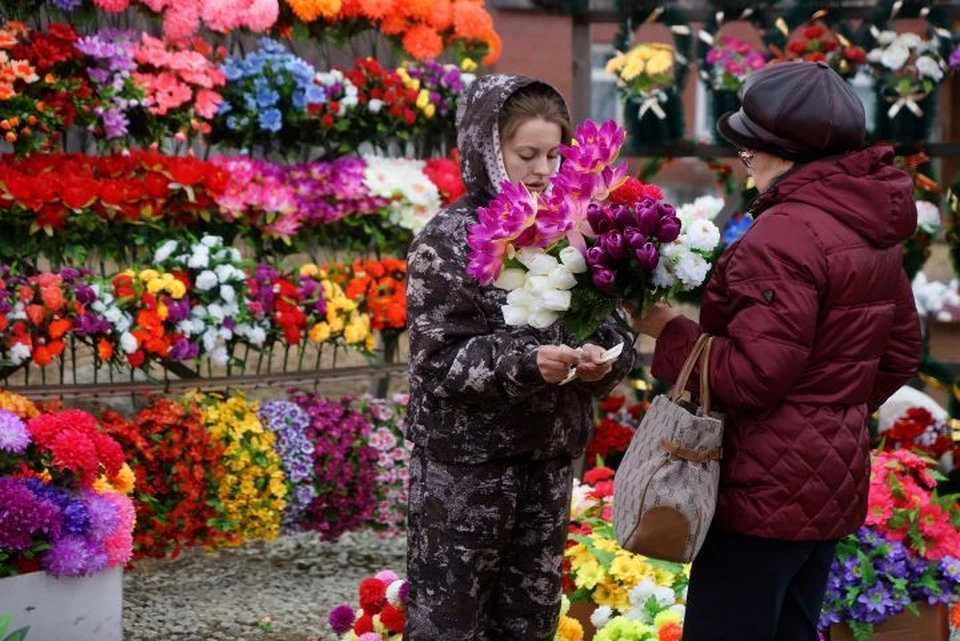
x,y
773,280
453,351
904,348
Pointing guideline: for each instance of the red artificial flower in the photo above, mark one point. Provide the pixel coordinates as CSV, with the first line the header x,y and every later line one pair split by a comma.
x,y
855,54
670,632
632,191
72,450
612,403
602,489
373,595
363,625
597,474
797,47
814,32
104,350
392,618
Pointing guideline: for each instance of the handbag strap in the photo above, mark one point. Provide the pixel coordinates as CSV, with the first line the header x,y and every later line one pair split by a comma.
x,y
705,375
687,368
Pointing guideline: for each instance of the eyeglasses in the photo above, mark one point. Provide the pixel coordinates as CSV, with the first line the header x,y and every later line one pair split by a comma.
x,y
746,157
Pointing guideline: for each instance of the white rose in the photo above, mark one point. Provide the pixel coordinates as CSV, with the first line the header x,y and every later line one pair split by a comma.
x,y
166,251
515,316
573,260
19,353
541,318
511,279
206,281
199,260
895,56
375,106
228,293
928,216
216,312
128,343
555,300
692,270
562,278
927,66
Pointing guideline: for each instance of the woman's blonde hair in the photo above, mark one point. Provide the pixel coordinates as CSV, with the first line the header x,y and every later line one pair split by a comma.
x,y
536,100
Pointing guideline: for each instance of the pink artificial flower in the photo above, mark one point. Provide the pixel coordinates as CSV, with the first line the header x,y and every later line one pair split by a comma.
x,y
182,19
509,214
167,93
157,5
594,147
262,15
735,68
113,6
221,15
208,101
713,55
285,227
152,51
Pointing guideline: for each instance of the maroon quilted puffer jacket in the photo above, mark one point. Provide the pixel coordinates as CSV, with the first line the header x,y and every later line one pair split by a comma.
x,y
816,327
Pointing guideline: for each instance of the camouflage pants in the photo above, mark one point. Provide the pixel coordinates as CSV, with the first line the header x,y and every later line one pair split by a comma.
x,y
484,550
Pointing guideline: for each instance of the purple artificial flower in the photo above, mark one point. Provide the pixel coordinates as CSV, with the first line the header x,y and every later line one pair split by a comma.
x,y
342,618
115,123
955,57
877,600
950,568
603,278
67,5
647,256
596,256
635,239
24,514
614,244
668,230
290,422
14,436
647,218
102,513
184,350
74,556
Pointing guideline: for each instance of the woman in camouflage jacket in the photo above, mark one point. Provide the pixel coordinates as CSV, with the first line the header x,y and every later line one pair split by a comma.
x,y
494,433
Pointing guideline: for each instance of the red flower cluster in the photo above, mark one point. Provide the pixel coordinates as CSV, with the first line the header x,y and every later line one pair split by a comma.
x,y
816,43
373,601
917,430
633,190
49,309
174,459
55,189
445,174
373,82
614,430
76,445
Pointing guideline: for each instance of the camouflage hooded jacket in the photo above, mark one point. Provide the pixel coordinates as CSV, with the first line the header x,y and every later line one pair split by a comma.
x,y
476,393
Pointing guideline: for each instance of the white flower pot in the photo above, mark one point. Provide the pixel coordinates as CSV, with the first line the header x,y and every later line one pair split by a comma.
x,y
65,609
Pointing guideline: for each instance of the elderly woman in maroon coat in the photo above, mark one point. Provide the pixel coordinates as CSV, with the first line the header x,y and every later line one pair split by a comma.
x,y
815,327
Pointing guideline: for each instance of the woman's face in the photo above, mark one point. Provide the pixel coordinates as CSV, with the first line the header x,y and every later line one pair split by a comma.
x,y
764,167
532,155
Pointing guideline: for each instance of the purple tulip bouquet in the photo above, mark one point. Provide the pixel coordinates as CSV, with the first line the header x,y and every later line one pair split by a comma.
x,y
593,240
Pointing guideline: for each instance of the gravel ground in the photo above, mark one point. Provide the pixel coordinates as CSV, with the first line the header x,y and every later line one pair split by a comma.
x,y
295,581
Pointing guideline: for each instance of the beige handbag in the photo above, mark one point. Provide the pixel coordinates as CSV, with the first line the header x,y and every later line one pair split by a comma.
x,y
665,490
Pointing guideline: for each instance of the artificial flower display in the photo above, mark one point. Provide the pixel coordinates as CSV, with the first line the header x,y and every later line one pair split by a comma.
x,y
907,69
393,457
643,74
381,615
731,61
816,42
289,423
63,486
613,431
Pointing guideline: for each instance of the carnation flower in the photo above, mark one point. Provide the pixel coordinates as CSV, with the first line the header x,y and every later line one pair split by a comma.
x,y
14,436
74,556
341,619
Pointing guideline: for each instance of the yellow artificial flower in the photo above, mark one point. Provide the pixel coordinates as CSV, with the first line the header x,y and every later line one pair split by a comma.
x,y
589,575
162,311
177,290
430,110
148,275
19,405
661,62
667,616
630,569
611,595
569,630
125,480
423,99
154,286
578,554
468,65
309,270
605,544
371,343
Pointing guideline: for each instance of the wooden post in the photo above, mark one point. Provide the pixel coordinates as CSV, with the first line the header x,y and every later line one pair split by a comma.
x,y
582,67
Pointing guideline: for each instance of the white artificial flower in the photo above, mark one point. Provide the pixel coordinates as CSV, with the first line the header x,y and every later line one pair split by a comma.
x,y
886,37
197,326
257,336
231,310
19,353
573,259
98,306
515,315
511,279
581,499
227,273
375,105
541,318
216,312
701,234
928,216
537,261
225,333
467,79
522,297
601,616
393,592
562,278
128,343
124,324
875,55
206,281
640,594
555,300
910,40
166,251
199,260
927,66
113,314
895,56
210,339
665,596
538,284
185,327
692,269
663,277
212,241
219,355
228,293
703,207
679,608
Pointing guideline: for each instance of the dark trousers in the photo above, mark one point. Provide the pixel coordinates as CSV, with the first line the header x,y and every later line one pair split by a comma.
x,y
484,549
744,588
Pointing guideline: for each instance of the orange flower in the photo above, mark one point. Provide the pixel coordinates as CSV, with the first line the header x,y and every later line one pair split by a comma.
x,y
417,10
104,350
6,91
423,43
470,20
37,314
494,47
394,25
7,40
670,632
441,15
376,10
10,137
350,9
24,71
42,355
52,298
60,327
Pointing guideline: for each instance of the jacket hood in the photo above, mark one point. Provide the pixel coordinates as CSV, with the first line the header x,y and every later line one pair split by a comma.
x,y
478,133
863,190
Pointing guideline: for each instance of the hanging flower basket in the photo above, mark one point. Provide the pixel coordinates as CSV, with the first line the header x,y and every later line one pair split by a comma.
x,y
654,120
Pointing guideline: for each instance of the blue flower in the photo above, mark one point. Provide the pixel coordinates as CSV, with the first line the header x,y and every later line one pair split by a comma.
x,y
224,108
271,120
233,123
315,95
266,97
736,227
233,69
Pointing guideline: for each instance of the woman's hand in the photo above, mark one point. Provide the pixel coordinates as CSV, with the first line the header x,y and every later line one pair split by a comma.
x,y
653,322
590,368
555,362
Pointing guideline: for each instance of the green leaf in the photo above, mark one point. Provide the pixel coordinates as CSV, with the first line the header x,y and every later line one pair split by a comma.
x,y
18,635
861,631
5,621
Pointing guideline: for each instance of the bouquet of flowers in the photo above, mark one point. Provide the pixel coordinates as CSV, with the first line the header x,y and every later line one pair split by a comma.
x,y
906,553
907,68
383,600
591,241
342,320
730,61
63,487
643,73
816,42
267,99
